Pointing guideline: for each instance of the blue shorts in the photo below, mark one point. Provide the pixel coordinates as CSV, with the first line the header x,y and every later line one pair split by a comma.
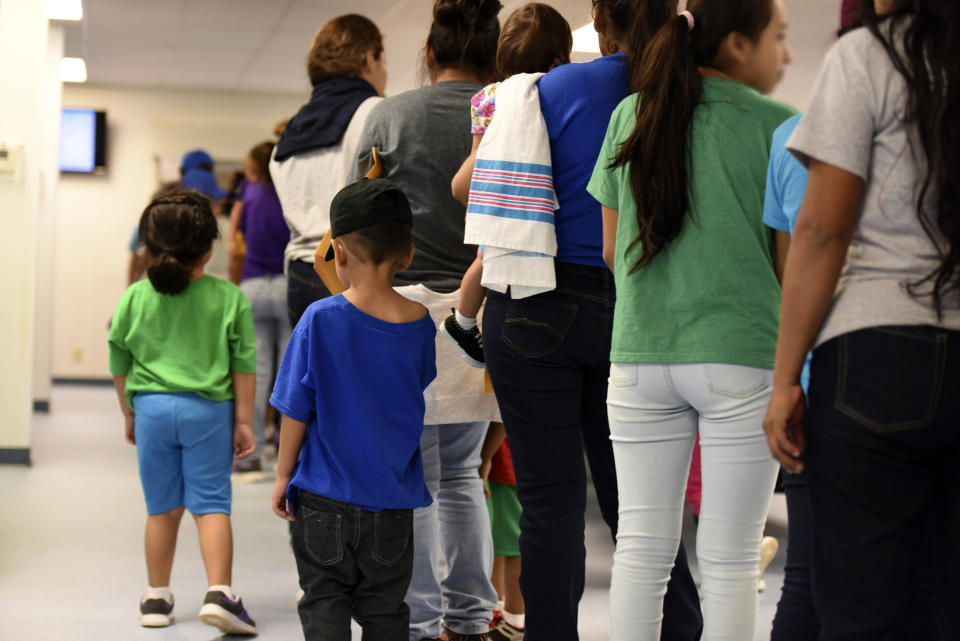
x,y
185,452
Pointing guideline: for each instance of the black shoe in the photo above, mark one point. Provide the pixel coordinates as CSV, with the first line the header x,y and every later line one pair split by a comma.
x,y
225,614
450,635
467,342
156,613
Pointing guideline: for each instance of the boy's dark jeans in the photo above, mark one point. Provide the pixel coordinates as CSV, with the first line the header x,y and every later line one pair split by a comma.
x,y
352,564
883,445
549,360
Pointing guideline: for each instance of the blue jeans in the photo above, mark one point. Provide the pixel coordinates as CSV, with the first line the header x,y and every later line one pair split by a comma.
x,y
883,440
268,302
458,523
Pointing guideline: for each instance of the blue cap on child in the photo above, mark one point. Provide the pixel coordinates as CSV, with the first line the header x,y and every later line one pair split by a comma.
x,y
203,181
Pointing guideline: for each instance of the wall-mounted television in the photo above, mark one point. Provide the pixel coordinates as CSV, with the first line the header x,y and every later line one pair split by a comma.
x,y
83,141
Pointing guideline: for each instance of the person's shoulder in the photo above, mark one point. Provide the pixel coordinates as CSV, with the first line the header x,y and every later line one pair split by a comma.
x,y
574,72
782,133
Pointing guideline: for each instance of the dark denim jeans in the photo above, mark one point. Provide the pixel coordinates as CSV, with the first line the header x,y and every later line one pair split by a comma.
x,y
352,564
549,359
303,288
883,442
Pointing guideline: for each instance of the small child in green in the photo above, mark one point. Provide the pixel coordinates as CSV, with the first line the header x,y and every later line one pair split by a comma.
x,y
183,359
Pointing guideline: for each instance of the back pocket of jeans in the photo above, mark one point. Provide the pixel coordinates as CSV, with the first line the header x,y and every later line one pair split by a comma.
x,y
736,381
391,535
537,326
889,379
323,536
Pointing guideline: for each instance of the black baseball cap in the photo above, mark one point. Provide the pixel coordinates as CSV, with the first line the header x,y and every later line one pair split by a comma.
x,y
367,202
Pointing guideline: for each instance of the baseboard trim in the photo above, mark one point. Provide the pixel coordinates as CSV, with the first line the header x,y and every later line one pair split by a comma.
x,y
15,456
41,406
82,381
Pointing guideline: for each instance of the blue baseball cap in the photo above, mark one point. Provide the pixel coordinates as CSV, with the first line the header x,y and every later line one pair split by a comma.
x,y
195,158
203,181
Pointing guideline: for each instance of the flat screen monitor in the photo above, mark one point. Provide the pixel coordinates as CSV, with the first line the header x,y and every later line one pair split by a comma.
x,y
83,141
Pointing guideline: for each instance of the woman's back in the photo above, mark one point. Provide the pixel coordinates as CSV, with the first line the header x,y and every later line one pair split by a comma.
x,y
423,136
713,294
576,101
265,232
855,122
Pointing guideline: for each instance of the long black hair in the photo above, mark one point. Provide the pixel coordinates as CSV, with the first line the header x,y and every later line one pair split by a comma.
x,y
922,39
668,79
177,228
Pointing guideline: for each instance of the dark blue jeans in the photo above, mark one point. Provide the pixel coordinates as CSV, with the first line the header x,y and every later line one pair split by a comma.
x,y
303,288
352,564
883,442
549,359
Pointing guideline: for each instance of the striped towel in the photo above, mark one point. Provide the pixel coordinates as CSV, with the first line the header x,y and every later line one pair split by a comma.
x,y
512,202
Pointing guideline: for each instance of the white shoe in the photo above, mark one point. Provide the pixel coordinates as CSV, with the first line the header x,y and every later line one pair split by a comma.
x,y
768,549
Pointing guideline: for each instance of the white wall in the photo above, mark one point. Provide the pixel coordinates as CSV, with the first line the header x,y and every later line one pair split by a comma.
x,y
23,54
97,214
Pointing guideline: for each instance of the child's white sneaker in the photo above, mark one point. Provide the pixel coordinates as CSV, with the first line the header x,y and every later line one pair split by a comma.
x,y
768,549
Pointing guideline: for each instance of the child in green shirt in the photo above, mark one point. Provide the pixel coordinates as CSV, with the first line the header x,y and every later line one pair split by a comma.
x,y
183,359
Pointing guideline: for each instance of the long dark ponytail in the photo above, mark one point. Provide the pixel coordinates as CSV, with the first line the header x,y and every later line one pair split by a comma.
x,y
177,228
926,51
667,77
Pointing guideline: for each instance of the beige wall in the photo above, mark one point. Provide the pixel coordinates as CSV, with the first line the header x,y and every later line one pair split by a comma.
x,y
97,214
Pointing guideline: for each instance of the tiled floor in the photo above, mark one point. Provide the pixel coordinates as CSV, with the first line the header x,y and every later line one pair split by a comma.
x,y
71,560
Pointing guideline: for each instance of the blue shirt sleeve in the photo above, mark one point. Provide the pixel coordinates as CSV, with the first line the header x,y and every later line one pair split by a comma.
x,y
786,181
294,392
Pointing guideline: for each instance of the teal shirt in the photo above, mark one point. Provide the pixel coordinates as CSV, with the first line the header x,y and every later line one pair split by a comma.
x,y
712,295
191,342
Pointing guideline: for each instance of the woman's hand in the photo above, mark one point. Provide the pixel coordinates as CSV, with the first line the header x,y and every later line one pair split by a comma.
x,y
485,468
784,426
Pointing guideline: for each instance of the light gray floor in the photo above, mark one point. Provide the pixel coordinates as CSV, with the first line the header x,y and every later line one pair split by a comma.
x,y
71,543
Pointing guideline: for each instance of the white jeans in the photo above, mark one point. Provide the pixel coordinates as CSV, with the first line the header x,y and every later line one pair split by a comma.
x,y
655,413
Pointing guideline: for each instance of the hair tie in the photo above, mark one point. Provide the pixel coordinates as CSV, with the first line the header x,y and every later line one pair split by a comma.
x,y
689,17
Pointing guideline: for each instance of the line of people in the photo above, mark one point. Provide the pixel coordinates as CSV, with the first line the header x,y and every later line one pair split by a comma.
x,y
637,216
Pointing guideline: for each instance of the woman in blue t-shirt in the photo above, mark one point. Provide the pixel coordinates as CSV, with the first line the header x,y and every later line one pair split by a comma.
x,y
548,355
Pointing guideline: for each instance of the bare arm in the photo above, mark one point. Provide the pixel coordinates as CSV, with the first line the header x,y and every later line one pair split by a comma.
x,y
120,384
782,240
610,218
817,252
460,185
235,215
292,433
244,386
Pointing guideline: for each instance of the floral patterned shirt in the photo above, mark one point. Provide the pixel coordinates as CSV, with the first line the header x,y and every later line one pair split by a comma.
x,y
482,106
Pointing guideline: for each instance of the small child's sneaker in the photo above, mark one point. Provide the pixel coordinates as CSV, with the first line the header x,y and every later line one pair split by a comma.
x,y
503,631
467,342
226,614
768,549
249,471
156,613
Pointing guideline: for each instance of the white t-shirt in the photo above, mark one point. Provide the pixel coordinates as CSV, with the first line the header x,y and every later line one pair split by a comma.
x,y
856,122
306,184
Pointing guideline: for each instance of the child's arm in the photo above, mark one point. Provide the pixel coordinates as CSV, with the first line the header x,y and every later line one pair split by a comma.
x,y
244,386
496,434
291,440
460,185
120,384
235,213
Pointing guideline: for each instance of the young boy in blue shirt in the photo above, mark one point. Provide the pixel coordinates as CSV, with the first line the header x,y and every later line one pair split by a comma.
x,y
349,471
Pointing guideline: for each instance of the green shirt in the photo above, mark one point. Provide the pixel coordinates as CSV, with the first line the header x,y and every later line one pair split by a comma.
x,y
712,295
190,342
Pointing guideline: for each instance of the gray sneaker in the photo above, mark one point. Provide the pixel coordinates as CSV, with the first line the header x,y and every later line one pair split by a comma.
x,y
156,613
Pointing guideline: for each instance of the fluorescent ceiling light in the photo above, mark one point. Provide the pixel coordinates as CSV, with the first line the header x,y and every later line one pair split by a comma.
x,y
65,9
73,70
586,40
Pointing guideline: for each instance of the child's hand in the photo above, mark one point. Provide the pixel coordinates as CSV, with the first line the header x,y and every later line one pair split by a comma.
x,y
128,428
243,443
484,475
279,499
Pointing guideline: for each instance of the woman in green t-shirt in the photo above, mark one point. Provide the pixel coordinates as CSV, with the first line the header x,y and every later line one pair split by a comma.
x,y
681,180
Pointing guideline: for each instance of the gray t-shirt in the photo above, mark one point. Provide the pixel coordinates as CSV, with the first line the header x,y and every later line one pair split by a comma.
x,y
856,122
423,137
